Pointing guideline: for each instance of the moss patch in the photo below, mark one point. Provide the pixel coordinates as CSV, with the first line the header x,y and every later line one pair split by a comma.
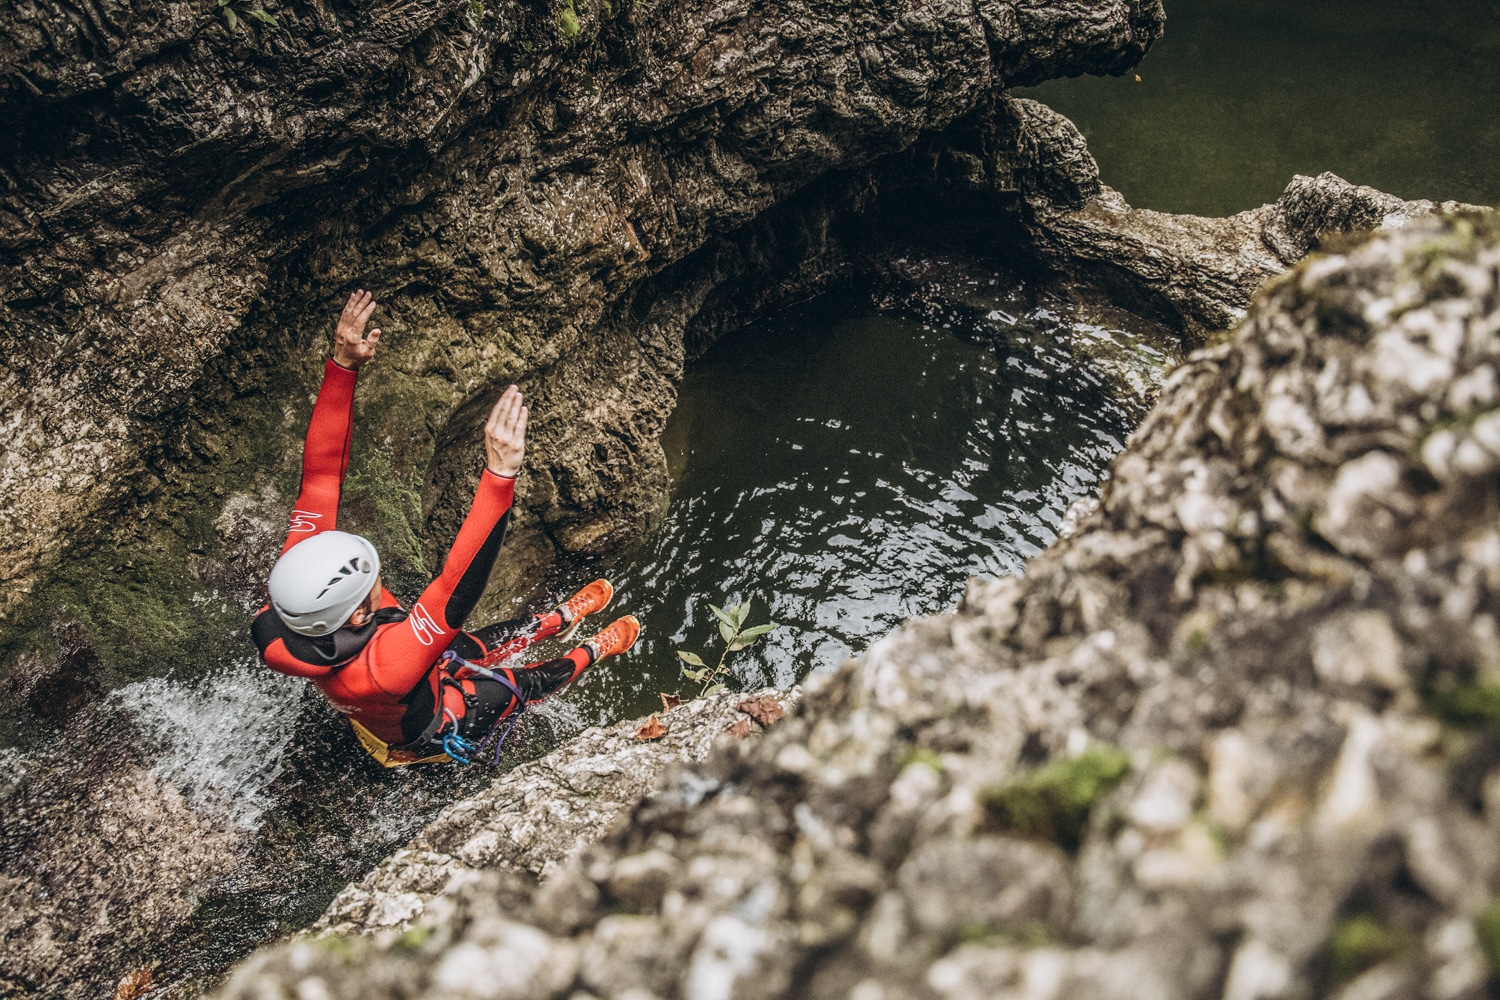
x,y
1487,926
412,940
567,21
1362,942
1030,934
337,945
921,755
1053,802
1466,704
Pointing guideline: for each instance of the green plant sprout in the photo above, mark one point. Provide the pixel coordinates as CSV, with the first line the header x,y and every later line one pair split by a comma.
x,y
258,13
736,637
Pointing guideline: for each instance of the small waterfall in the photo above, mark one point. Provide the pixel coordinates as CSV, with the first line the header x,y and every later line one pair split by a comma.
x,y
222,736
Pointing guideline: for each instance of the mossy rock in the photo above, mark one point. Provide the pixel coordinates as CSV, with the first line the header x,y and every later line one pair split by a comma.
x,y
1487,926
1053,802
1471,704
1361,942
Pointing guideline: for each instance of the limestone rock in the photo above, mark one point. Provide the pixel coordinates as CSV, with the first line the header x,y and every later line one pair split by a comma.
x,y
536,815
1196,273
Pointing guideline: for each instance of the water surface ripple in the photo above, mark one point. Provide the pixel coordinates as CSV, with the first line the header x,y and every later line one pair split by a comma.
x,y
849,467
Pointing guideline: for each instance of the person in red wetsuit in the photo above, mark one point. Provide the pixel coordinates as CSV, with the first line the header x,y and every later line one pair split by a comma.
x,y
384,666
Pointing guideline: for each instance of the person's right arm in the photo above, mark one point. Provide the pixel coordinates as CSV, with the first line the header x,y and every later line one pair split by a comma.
x,y
325,454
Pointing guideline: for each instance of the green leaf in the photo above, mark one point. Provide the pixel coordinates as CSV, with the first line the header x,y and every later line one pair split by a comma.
x,y
693,675
265,17
755,631
728,631
234,22
742,612
225,3
692,658
723,617
715,689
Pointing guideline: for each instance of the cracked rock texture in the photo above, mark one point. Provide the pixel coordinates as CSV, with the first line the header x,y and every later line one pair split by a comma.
x,y
1234,737
1195,273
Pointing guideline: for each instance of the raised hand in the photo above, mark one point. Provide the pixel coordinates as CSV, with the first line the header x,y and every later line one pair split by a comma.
x,y
351,348
505,434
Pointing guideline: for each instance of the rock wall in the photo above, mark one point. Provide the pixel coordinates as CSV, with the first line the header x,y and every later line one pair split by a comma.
x,y
1193,273
546,194
186,201
1235,737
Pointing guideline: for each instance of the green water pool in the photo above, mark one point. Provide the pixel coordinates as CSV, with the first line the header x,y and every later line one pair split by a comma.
x,y
846,466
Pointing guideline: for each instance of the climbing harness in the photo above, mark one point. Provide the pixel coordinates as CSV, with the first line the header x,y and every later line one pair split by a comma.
x,y
467,749
443,732
388,756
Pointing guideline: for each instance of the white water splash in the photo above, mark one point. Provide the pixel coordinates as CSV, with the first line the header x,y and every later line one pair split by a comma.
x,y
223,736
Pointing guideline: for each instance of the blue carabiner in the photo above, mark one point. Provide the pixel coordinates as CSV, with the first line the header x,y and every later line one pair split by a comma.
x,y
455,746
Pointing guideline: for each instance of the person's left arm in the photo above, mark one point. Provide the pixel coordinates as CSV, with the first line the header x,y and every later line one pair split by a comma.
x,y
400,656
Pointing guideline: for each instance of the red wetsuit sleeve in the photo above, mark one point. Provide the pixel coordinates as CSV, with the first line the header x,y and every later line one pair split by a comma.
x,y
325,456
400,655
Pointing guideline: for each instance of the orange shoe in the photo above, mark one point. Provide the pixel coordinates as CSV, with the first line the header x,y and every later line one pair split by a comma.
x,y
588,600
617,637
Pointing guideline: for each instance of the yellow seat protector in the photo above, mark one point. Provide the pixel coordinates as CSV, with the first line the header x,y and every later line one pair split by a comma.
x,y
381,750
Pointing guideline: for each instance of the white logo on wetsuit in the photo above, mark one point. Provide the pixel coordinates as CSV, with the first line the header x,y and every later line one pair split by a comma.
x,y
423,625
302,520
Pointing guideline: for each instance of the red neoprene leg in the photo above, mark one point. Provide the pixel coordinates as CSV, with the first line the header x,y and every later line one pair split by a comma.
x,y
505,639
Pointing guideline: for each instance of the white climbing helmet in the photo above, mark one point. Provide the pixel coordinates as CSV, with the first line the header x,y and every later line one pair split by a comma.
x,y
317,583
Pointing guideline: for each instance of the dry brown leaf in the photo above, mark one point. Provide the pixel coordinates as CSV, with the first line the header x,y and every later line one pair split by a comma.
x,y
651,729
765,709
740,729
669,701
137,984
